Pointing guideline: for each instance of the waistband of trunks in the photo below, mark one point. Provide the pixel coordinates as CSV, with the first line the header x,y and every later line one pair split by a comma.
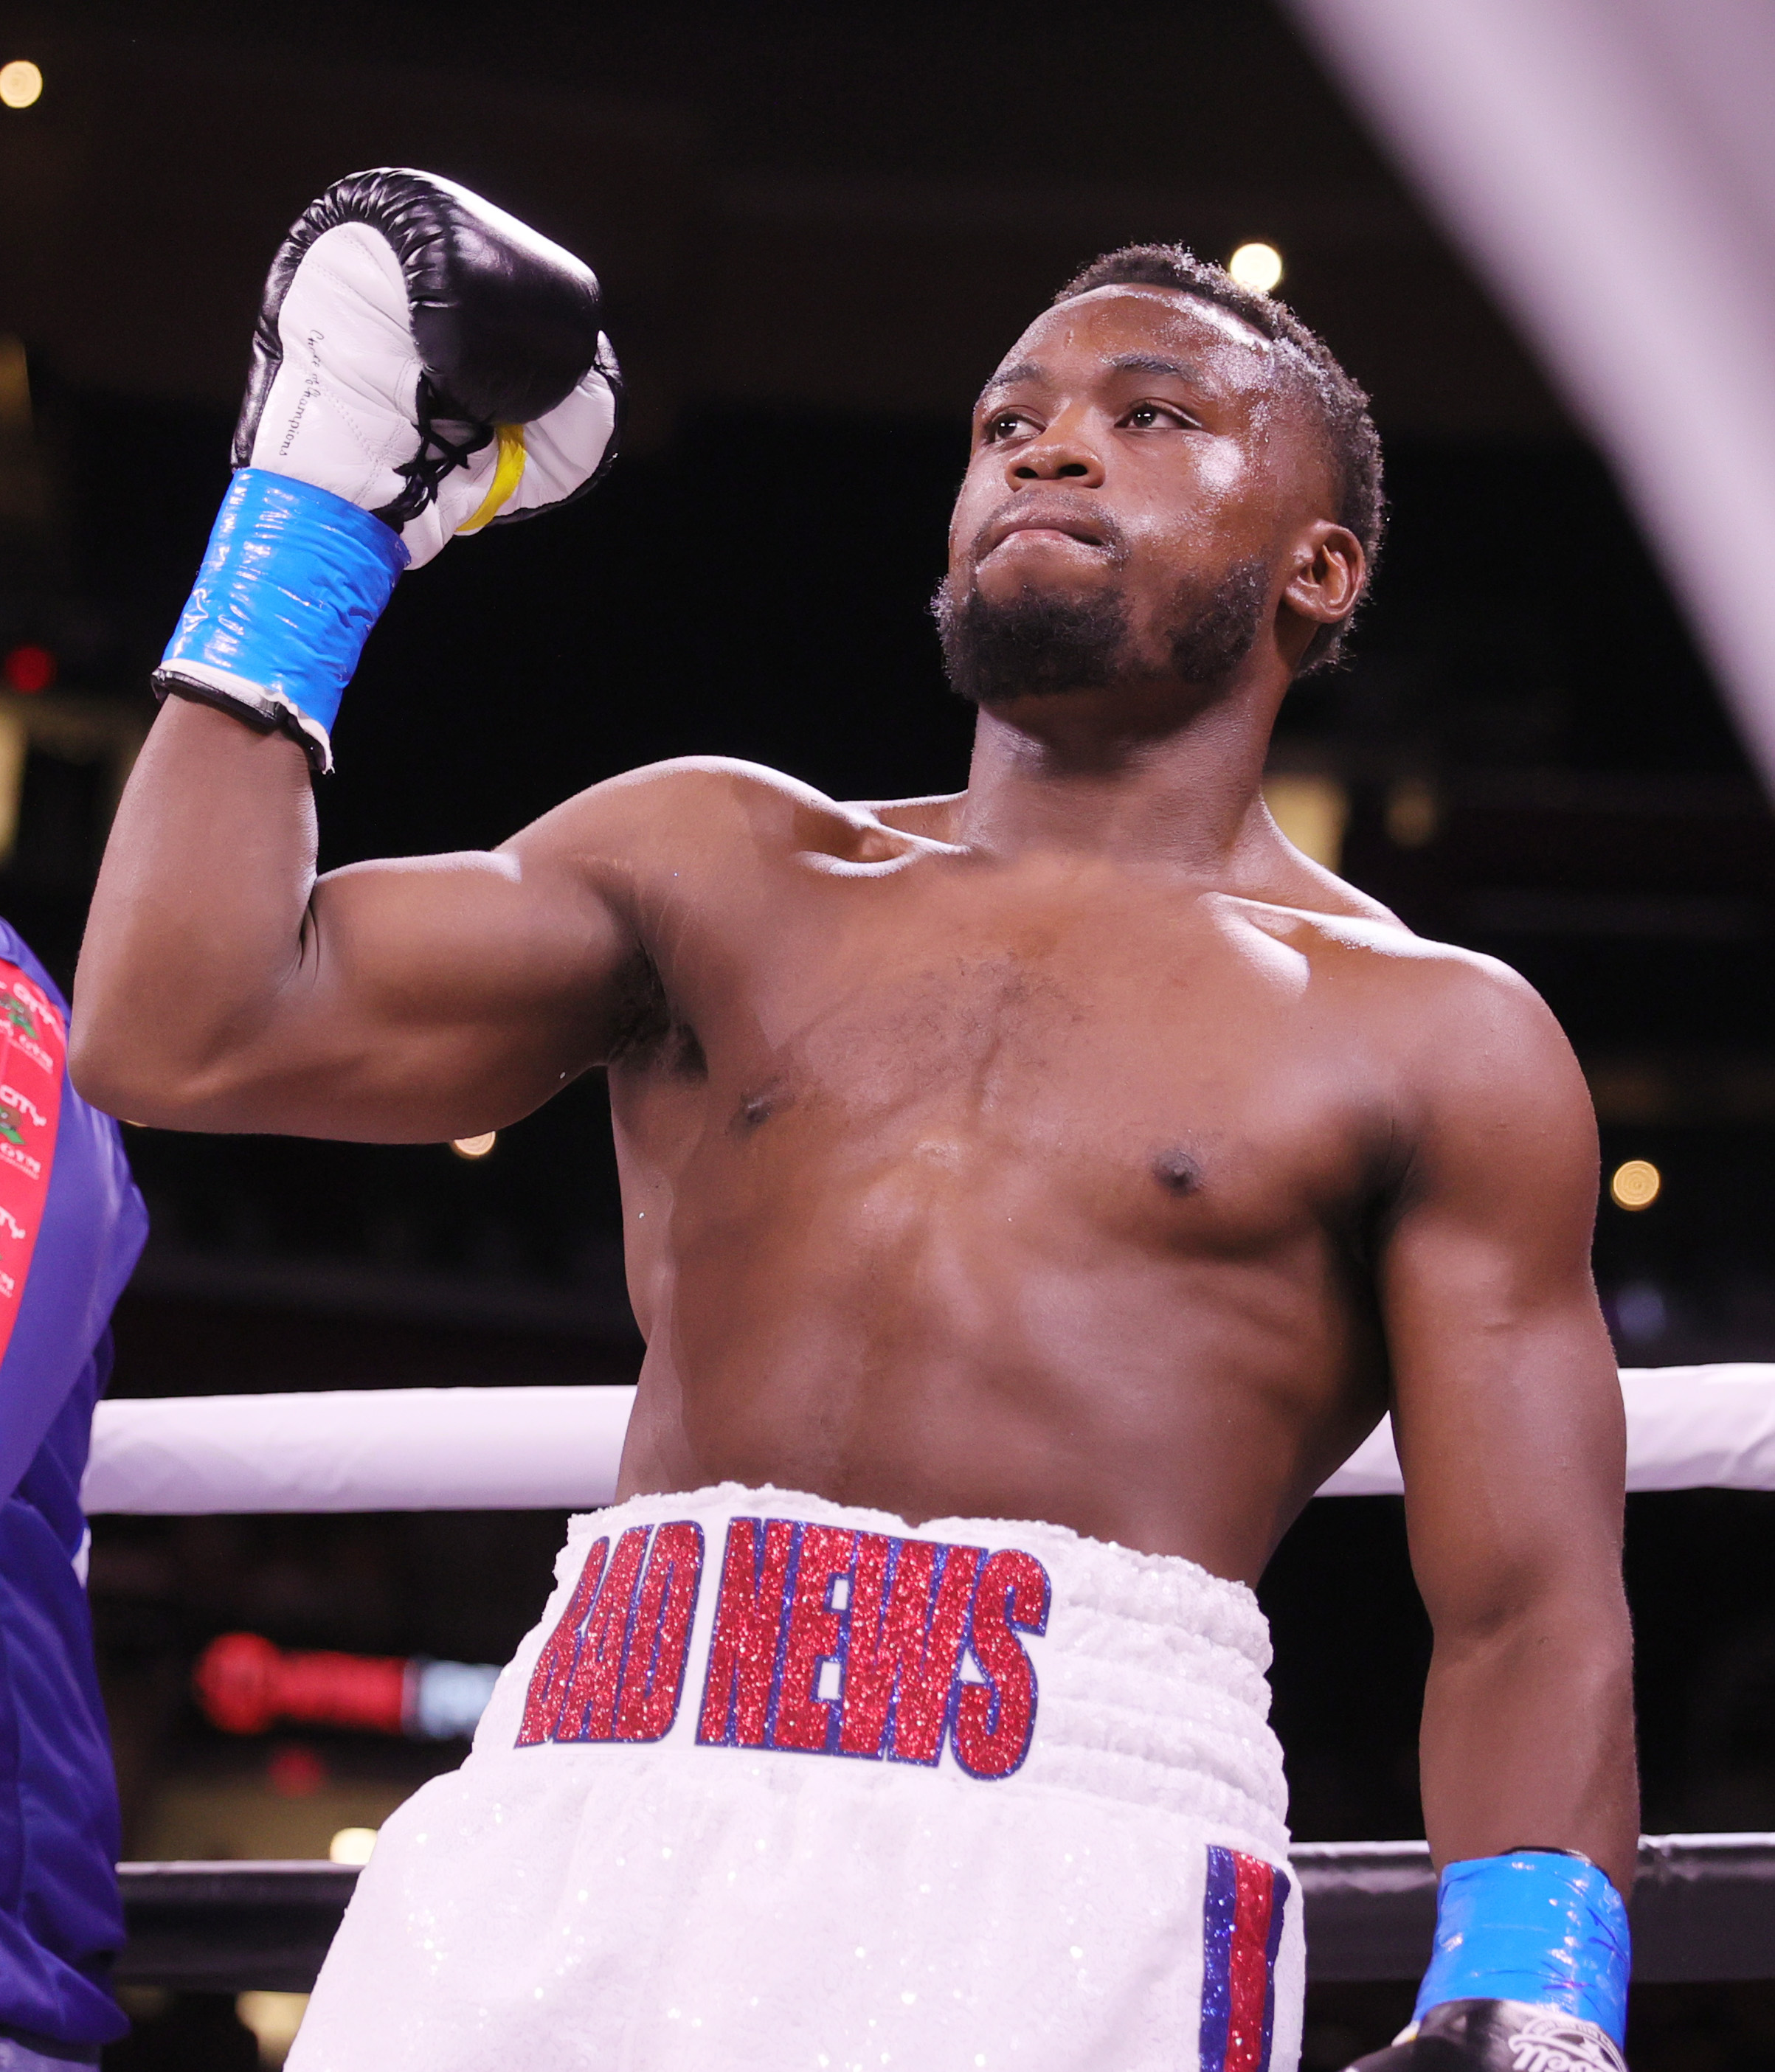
x,y
1081,1665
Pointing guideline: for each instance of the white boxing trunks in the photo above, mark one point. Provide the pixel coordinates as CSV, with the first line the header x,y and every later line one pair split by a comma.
x,y
780,1785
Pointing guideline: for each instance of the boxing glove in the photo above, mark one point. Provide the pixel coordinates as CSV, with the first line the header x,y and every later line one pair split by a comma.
x,y
423,365
1496,2036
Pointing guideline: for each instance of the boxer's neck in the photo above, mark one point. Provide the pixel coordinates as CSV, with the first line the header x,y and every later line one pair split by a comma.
x,y
1126,776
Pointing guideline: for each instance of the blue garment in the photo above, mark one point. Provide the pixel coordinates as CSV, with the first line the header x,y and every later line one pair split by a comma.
x,y
21,2057
60,1917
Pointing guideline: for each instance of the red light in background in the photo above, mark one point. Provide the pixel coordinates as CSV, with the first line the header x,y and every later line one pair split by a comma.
x,y
244,1684
30,669
295,1772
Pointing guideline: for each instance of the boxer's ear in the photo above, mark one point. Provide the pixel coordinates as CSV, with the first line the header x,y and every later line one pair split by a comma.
x,y
1329,570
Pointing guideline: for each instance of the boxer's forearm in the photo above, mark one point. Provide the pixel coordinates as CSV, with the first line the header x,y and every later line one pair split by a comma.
x,y
196,927
1528,1738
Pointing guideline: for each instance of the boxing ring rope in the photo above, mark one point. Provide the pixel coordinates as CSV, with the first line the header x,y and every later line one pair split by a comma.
x,y
1703,1910
557,1447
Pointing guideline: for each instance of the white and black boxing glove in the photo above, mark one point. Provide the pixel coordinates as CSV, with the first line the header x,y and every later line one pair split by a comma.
x,y
1497,2036
424,364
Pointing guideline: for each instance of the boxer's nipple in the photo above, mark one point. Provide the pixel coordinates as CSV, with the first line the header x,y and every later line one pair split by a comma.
x,y
756,1108
1177,1173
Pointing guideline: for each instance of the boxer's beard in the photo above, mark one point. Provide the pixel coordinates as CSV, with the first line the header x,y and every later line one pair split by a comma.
x,y
1035,646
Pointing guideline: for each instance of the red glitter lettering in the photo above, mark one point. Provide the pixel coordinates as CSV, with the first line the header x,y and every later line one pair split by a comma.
x,y
1247,2036
554,1664
654,1671
804,1721
877,1636
748,1621
588,1710
995,1721
905,1645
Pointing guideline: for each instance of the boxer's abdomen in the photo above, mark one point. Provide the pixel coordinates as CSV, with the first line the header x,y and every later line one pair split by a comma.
x,y
1073,1240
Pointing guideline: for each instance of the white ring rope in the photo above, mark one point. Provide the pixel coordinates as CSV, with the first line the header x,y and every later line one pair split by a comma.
x,y
547,1449
1687,1428
557,1448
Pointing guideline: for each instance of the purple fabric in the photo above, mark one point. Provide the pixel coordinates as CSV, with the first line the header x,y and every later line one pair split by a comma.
x,y
60,1917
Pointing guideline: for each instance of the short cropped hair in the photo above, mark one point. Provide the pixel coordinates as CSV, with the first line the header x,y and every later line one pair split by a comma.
x,y
1336,401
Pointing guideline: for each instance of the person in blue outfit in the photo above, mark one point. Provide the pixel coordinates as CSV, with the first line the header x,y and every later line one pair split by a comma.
x,y
72,1226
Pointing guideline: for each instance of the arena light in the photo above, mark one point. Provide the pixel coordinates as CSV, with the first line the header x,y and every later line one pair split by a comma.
x,y
474,1147
244,1684
273,2019
352,1845
1312,812
21,83
1414,814
1256,265
1635,1184
29,668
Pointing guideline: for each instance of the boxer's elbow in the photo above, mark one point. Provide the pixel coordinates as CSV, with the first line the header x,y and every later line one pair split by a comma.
x,y
147,1062
1571,1640
94,1071
1572,1587
118,1069
131,1022
1585,1644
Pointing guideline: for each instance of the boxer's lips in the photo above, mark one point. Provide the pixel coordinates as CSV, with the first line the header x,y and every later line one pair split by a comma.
x,y
1051,525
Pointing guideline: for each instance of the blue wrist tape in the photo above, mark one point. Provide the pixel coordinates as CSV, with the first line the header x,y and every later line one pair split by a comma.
x,y
1533,1926
292,582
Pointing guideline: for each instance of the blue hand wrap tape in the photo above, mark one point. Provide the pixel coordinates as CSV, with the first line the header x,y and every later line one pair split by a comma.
x,y
1533,1926
292,582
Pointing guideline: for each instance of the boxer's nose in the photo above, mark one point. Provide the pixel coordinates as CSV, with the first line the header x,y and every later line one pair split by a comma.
x,y
1063,453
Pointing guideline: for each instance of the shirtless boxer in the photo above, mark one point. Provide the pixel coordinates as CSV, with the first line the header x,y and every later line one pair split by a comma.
x,y
1031,1197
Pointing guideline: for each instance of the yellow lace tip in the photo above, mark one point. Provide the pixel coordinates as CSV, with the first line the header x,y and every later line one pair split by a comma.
x,y
507,470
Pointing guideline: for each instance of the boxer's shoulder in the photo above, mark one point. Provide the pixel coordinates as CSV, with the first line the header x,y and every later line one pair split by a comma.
x,y
723,813
1453,1022
1346,935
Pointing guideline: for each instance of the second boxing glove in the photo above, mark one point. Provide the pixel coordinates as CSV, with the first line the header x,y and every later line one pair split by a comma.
x,y
424,364
1497,2036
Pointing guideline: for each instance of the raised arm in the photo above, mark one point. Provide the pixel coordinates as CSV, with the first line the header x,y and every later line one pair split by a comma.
x,y
1507,1413
423,366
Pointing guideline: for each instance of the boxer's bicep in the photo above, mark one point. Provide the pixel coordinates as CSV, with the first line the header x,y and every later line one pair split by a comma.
x,y
440,995
406,1001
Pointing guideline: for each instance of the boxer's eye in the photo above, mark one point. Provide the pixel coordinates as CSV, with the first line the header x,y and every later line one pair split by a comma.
x,y
1151,416
1002,424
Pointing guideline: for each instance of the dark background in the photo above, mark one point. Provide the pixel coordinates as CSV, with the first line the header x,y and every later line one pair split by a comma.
x,y
818,230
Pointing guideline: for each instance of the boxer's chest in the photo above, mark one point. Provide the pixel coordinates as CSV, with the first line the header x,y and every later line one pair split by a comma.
x,y
1166,1065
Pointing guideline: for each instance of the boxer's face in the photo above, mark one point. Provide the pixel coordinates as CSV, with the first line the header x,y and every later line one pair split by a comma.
x,y
1143,491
